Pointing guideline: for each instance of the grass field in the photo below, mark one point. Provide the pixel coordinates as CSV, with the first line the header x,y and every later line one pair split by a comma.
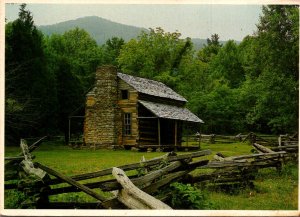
x,y
272,191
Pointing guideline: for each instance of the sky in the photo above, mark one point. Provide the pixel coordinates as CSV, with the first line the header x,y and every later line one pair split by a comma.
x,y
195,21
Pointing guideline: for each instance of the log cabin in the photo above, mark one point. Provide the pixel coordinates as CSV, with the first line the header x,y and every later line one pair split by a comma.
x,y
127,111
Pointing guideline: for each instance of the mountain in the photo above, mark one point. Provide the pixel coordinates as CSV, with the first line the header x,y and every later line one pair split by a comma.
x,y
200,43
100,29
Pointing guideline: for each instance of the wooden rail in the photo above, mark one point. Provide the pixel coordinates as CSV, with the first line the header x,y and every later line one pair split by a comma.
x,y
136,191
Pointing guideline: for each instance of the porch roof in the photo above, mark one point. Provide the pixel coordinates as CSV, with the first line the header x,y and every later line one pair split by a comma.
x,y
170,111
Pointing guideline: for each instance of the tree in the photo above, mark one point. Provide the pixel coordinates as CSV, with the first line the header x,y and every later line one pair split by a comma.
x,y
278,35
29,86
210,50
80,50
276,52
226,66
69,93
112,50
73,57
156,54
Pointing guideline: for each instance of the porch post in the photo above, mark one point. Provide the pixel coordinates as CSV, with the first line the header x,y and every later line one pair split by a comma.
x,y
158,132
199,136
69,129
175,135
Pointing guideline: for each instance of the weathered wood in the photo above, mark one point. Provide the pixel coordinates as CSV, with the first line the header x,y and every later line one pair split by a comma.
x,y
175,136
147,179
218,158
294,147
36,144
226,164
279,140
11,175
262,148
25,150
169,178
30,149
264,140
27,164
150,189
133,166
110,185
198,163
212,138
29,168
71,182
113,203
211,176
158,132
132,196
165,156
246,137
256,155
15,158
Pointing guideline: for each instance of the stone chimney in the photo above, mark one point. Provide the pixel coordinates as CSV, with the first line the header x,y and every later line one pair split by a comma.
x,y
101,112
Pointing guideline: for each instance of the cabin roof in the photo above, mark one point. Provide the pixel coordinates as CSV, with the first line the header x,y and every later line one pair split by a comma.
x,y
170,111
151,87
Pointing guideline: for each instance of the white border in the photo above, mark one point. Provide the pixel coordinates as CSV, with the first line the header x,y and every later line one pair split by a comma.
x,y
31,212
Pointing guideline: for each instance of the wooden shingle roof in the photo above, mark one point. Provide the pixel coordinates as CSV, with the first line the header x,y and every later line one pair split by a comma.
x,y
170,112
150,87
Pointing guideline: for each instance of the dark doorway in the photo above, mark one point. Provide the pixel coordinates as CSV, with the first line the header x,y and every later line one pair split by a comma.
x,y
168,132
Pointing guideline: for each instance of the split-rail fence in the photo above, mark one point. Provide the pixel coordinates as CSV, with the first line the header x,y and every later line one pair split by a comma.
x,y
39,182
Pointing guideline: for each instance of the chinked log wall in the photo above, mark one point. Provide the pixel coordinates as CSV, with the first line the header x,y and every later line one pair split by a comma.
x,y
158,172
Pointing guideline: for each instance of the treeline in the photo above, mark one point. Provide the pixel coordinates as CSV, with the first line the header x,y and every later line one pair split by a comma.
x,y
251,86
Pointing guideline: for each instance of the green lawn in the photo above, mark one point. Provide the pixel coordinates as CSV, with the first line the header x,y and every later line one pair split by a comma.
x,y
272,191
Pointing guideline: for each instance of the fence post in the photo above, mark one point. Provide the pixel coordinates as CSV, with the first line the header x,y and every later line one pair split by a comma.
x,y
212,138
239,137
252,138
279,140
187,140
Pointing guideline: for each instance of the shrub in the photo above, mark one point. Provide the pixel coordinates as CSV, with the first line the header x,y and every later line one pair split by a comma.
x,y
13,199
185,196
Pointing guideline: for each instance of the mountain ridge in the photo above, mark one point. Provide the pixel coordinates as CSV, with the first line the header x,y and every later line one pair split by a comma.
x,y
102,29
99,28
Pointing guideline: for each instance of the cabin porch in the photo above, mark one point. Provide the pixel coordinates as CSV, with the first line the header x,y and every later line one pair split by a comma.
x,y
158,132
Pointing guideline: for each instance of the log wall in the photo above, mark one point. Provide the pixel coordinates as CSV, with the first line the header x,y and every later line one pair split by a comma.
x,y
128,106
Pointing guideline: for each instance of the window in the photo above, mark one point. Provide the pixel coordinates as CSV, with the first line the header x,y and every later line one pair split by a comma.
x,y
124,94
127,123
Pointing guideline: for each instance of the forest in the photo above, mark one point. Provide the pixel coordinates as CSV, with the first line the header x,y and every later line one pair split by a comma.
x,y
233,87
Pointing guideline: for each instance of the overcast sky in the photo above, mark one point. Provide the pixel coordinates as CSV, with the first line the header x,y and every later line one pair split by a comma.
x,y
195,21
